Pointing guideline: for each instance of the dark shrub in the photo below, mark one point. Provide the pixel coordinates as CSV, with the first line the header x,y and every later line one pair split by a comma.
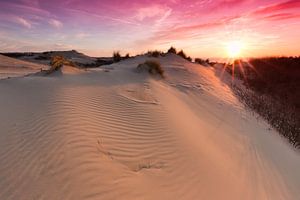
x,y
172,50
127,56
153,67
117,56
189,59
200,61
183,55
155,53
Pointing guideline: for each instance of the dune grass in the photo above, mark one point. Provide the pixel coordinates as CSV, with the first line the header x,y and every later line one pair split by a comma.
x,y
153,67
117,56
172,50
155,53
58,62
184,56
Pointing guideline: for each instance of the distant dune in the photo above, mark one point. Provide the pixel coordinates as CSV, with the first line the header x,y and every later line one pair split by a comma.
x,y
113,133
11,67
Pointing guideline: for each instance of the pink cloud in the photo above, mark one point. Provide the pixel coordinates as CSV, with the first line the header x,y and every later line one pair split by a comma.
x,y
151,12
282,16
188,31
56,23
229,3
23,22
292,4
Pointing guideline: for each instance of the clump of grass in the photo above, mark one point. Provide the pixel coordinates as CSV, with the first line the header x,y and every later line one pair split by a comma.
x,y
153,67
58,62
155,53
183,55
117,56
172,50
127,56
202,61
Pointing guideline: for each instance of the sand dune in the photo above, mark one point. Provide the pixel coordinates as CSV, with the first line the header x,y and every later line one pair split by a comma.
x,y
10,67
125,135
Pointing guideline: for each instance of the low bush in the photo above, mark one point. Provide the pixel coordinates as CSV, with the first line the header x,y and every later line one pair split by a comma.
x,y
202,61
153,67
127,56
184,56
58,62
117,56
155,53
172,50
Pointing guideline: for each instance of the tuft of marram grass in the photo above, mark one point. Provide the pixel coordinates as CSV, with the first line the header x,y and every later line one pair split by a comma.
x,y
117,56
153,67
57,62
172,50
155,53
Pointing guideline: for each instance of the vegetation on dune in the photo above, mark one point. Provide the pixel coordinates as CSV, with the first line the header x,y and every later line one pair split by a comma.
x,y
183,55
155,53
117,56
58,62
202,61
272,91
153,67
127,56
172,50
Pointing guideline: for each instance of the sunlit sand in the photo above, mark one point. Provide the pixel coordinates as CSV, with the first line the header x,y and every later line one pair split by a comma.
x,y
115,133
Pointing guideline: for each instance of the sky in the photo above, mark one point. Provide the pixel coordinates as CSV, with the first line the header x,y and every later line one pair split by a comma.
x,y
202,28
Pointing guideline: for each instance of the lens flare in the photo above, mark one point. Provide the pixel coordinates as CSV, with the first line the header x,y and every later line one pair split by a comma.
x,y
234,49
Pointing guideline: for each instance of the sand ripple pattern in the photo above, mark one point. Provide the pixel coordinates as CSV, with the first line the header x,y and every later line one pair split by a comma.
x,y
89,143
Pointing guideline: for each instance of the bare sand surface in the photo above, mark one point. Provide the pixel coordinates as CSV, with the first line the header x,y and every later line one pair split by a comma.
x,y
113,133
10,67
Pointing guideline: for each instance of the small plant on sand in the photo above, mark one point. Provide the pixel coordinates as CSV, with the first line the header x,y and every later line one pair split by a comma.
x,y
153,67
57,62
117,56
202,61
155,53
172,50
183,55
127,56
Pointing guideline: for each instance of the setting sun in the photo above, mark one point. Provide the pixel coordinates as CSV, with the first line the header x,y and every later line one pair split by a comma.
x,y
234,49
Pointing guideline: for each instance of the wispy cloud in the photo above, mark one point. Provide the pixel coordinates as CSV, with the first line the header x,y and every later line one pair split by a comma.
x,y
292,4
282,16
82,35
56,23
23,22
151,12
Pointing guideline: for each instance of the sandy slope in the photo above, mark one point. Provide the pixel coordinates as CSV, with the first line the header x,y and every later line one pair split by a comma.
x,y
10,67
123,135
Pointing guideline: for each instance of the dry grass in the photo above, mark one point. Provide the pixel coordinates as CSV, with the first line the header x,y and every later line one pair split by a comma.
x,y
117,56
155,53
58,62
172,50
183,55
153,67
